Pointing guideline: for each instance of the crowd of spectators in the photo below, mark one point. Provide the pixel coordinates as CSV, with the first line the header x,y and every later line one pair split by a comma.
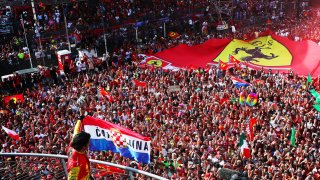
x,y
194,131
184,17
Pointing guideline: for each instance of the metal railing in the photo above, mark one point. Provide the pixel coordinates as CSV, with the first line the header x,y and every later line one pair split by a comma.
x,y
35,165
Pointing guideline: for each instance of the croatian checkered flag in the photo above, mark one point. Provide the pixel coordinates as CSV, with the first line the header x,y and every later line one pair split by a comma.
x,y
108,136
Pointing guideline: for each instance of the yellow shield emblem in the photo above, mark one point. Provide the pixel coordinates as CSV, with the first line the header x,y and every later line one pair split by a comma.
x,y
156,63
263,51
14,100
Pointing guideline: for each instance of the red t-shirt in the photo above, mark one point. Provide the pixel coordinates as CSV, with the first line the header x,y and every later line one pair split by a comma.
x,y
78,166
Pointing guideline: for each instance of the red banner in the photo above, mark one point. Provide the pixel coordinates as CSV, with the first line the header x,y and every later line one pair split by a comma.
x,y
109,169
140,83
269,51
15,98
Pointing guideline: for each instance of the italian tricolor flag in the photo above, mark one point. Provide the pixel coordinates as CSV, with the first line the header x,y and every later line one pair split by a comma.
x,y
245,151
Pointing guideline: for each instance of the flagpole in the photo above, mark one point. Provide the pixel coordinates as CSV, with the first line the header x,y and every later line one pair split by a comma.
x,y
66,27
104,36
137,34
34,11
25,37
36,21
41,49
164,30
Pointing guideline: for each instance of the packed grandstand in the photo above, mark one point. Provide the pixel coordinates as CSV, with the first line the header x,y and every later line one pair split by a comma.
x,y
202,86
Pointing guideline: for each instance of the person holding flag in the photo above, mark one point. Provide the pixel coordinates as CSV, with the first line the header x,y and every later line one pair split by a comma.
x,y
233,60
78,162
11,133
223,66
108,136
245,151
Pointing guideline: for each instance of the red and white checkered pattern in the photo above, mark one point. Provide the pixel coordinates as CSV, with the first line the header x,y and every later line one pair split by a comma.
x,y
118,139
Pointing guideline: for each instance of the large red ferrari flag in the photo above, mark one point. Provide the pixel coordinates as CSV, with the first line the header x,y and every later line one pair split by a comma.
x,y
15,98
269,52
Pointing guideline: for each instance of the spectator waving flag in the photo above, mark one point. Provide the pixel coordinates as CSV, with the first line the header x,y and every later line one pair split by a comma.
x,y
293,137
173,35
109,136
42,6
245,151
11,133
14,98
317,107
239,82
309,79
250,131
315,94
223,66
140,83
258,81
232,59
223,100
102,92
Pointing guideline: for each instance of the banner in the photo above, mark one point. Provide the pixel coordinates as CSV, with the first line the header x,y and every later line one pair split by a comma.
x,y
109,136
151,61
183,55
14,98
269,52
223,66
249,129
139,83
173,35
263,51
104,170
11,133
239,82
102,92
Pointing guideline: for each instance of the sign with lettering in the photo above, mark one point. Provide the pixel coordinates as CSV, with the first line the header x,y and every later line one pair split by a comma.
x,y
109,136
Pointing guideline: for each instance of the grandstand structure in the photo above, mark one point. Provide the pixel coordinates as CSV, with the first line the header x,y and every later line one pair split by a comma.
x,y
35,166
223,8
27,2
38,166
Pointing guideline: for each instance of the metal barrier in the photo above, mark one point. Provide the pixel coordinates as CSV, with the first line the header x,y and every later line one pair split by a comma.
x,y
53,166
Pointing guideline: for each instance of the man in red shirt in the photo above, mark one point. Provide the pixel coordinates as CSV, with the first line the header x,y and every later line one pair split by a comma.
x,y
78,161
